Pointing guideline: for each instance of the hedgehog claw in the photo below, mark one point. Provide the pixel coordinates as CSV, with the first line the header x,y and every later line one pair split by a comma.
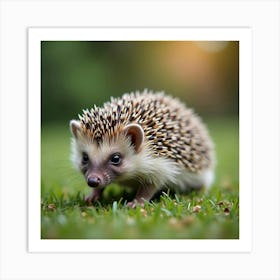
x,y
134,203
131,204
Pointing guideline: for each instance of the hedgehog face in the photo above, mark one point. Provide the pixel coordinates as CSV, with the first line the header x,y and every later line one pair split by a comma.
x,y
110,159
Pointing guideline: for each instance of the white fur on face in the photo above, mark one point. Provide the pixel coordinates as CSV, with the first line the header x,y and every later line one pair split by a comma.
x,y
157,171
99,154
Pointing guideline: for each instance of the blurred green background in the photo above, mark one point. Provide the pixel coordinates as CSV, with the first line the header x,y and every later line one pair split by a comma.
x,y
75,75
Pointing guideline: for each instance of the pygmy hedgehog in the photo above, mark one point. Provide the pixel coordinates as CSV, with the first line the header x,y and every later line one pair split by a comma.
x,y
144,140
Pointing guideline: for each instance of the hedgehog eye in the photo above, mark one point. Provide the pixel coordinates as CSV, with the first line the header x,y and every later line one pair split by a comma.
x,y
115,159
85,158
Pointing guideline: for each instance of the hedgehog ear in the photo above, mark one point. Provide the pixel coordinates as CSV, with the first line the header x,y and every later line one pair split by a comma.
x,y
136,134
75,127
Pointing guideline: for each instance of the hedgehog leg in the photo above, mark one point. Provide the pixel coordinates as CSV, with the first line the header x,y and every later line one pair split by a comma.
x,y
144,192
94,196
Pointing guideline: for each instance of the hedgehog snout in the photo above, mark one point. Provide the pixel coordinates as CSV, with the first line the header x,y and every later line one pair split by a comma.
x,y
99,179
93,181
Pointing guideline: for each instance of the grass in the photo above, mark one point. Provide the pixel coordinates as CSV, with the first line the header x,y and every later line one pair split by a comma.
x,y
197,215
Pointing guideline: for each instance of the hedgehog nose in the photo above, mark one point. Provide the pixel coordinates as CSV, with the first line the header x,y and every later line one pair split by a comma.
x,y
93,182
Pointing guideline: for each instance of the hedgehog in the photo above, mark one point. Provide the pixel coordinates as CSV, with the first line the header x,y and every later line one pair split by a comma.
x,y
145,140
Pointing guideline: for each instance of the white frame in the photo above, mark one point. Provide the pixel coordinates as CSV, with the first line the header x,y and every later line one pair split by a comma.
x,y
243,35
262,262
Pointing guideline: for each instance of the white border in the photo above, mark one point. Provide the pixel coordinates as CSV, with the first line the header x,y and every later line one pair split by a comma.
x,y
243,35
262,16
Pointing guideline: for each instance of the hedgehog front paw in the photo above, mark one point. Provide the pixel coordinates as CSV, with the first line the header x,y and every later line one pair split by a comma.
x,y
134,203
144,193
131,204
94,196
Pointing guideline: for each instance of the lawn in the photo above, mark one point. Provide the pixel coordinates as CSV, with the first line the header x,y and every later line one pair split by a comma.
x,y
197,215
